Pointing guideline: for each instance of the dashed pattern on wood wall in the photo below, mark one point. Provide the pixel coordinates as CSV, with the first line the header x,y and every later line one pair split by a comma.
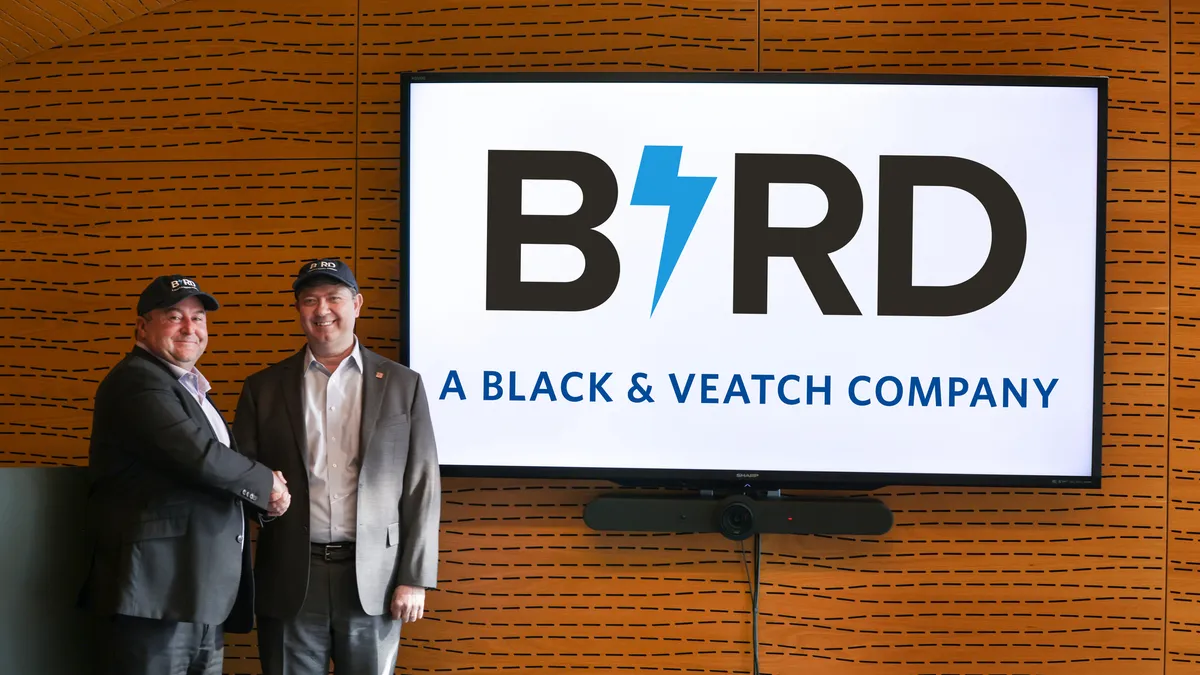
x,y
1125,41
31,26
1183,570
617,35
202,80
235,140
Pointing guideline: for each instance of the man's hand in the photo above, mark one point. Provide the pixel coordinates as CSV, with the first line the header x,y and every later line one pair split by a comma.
x,y
280,499
408,603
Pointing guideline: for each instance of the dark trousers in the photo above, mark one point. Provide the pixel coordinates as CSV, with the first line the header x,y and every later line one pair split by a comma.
x,y
131,645
331,625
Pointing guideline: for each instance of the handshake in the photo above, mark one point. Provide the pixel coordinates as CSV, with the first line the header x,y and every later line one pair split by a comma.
x,y
280,499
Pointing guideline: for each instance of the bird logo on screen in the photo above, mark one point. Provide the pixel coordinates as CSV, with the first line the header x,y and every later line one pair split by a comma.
x,y
755,241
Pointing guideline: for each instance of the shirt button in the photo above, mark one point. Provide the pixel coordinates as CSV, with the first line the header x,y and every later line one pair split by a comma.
x,y
335,466
331,407
240,538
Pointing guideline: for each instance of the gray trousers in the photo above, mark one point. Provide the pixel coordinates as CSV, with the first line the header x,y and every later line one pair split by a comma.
x,y
331,624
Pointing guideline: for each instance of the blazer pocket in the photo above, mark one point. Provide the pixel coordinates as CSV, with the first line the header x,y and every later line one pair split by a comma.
x,y
390,431
393,421
159,528
393,535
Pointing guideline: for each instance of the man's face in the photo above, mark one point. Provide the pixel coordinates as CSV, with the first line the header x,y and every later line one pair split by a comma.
x,y
176,334
327,314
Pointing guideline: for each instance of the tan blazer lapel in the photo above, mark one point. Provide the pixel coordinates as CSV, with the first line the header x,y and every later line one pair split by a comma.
x,y
372,400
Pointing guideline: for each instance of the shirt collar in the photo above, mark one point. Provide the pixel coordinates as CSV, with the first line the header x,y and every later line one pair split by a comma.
x,y
202,384
355,359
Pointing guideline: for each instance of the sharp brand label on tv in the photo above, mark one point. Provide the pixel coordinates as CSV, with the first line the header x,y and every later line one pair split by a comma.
x,y
779,280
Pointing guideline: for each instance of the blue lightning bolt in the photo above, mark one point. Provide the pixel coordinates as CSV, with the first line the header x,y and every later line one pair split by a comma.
x,y
659,184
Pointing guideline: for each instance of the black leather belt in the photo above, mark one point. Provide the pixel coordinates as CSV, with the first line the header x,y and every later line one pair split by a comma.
x,y
338,550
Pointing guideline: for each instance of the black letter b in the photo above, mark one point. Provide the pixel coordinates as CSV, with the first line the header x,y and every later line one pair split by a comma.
x,y
508,229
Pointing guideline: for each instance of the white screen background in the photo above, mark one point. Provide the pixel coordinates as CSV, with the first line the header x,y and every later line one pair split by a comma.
x,y
1041,140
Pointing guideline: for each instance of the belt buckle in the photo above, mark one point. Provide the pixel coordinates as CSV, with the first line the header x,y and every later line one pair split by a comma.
x,y
329,550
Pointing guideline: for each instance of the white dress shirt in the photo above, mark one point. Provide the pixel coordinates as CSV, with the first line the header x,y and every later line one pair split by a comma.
x,y
332,424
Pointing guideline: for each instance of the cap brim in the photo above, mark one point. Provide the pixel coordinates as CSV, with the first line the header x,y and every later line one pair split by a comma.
x,y
210,303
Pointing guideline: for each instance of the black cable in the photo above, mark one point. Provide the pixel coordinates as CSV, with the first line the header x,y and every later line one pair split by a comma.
x,y
753,580
746,564
754,600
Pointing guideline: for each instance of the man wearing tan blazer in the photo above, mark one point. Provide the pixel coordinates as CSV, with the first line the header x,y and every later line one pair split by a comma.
x,y
350,430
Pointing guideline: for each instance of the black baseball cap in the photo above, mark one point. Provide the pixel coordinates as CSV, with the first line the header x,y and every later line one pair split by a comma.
x,y
334,269
168,290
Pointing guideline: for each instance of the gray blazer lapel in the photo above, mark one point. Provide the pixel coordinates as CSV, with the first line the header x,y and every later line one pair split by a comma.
x,y
372,397
292,381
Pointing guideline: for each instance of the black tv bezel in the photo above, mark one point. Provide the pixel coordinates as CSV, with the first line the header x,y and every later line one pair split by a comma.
x,y
750,479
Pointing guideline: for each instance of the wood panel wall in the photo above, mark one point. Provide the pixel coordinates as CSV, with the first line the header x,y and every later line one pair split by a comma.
x,y
233,140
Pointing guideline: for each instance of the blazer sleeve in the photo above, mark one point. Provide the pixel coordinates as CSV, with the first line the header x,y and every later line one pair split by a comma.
x,y
421,504
168,437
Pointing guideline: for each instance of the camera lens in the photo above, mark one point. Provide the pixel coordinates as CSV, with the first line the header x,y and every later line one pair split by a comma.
x,y
737,521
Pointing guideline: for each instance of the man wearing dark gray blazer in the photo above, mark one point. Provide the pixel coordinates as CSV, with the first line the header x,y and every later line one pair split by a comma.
x,y
170,562
350,430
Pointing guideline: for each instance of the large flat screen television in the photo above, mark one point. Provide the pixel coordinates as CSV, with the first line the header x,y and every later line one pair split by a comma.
x,y
769,280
